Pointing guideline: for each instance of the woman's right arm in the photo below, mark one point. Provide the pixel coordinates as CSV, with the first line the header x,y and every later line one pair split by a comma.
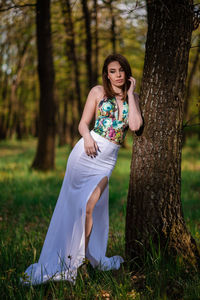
x,y
90,145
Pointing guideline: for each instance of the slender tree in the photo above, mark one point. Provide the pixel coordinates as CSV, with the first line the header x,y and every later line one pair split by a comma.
x,y
96,42
71,49
189,90
113,34
44,159
14,105
3,97
88,42
154,210
65,132
113,27
74,91
190,79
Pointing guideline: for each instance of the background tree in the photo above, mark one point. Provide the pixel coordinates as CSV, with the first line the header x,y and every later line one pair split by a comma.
x,y
15,48
47,124
96,42
15,111
88,41
70,64
73,93
154,210
192,118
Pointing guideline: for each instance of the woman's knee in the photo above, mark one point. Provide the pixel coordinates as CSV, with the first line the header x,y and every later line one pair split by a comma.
x,y
96,195
89,210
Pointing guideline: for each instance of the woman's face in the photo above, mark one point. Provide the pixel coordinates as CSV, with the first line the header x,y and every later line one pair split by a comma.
x,y
116,74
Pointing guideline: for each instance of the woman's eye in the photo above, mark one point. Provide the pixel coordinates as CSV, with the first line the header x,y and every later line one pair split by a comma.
x,y
113,71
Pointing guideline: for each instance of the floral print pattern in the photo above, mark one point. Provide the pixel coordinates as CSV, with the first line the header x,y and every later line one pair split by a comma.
x,y
107,123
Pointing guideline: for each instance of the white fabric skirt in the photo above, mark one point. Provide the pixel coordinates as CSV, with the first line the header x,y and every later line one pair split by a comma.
x,y
64,246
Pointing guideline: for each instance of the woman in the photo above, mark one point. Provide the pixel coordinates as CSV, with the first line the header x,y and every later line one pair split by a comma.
x,y
79,225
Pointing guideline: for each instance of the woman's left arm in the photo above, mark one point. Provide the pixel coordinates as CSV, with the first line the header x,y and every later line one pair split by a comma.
x,y
134,114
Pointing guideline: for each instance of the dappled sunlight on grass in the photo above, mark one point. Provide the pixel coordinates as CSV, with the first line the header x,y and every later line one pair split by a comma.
x,y
28,198
14,147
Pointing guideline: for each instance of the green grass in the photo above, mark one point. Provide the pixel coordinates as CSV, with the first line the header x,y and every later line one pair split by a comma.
x,y
27,199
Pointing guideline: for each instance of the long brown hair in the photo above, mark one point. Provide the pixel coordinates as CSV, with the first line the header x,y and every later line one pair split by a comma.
x,y
106,82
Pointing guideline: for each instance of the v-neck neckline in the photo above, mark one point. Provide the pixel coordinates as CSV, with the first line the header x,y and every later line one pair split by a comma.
x,y
118,109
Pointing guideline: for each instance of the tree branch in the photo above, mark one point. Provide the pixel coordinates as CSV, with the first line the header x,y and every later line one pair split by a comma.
x,y
17,6
186,124
197,124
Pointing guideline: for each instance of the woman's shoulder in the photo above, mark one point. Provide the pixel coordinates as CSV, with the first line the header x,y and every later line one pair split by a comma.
x,y
98,89
99,92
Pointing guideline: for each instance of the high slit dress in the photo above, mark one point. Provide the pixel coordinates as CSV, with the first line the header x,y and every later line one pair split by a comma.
x,y
64,246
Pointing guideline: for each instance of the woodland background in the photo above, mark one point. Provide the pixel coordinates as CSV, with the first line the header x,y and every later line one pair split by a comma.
x,y
83,33
82,37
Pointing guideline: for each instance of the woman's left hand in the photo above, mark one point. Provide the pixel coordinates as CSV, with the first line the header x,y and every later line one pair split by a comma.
x,y
132,86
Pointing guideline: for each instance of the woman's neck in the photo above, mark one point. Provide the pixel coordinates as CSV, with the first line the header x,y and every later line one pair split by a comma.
x,y
118,91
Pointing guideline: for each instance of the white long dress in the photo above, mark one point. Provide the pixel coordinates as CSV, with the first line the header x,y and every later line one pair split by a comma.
x,y
64,246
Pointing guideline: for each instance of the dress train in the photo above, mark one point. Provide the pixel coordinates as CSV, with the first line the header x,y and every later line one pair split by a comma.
x,y
64,246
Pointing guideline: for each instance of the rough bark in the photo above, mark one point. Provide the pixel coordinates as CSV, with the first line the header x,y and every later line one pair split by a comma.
x,y
44,159
154,210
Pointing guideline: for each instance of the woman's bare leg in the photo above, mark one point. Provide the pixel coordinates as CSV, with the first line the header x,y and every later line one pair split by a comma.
x,y
90,206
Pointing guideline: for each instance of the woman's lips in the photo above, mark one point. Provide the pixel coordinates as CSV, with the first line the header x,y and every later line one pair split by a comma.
x,y
120,80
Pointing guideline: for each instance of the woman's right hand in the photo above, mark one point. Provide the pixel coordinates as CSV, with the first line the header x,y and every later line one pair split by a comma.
x,y
90,146
89,113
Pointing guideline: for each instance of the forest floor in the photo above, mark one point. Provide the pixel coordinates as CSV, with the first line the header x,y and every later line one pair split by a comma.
x,y
27,200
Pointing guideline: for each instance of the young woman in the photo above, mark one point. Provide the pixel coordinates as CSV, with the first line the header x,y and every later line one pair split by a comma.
x,y
79,225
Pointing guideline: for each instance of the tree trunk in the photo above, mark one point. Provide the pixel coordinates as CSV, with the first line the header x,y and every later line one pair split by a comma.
x,y
34,127
74,88
14,106
189,86
113,28
96,43
71,48
3,96
190,79
21,130
113,32
44,159
88,42
3,110
64,128
154,210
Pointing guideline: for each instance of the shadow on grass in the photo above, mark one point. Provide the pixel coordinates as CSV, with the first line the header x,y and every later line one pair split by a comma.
x,y
27,201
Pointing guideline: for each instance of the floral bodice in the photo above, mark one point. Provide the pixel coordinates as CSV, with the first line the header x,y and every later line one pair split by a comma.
x,y
108,124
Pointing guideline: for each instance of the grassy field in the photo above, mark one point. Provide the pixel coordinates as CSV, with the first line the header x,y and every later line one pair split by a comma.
x,y
27,199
